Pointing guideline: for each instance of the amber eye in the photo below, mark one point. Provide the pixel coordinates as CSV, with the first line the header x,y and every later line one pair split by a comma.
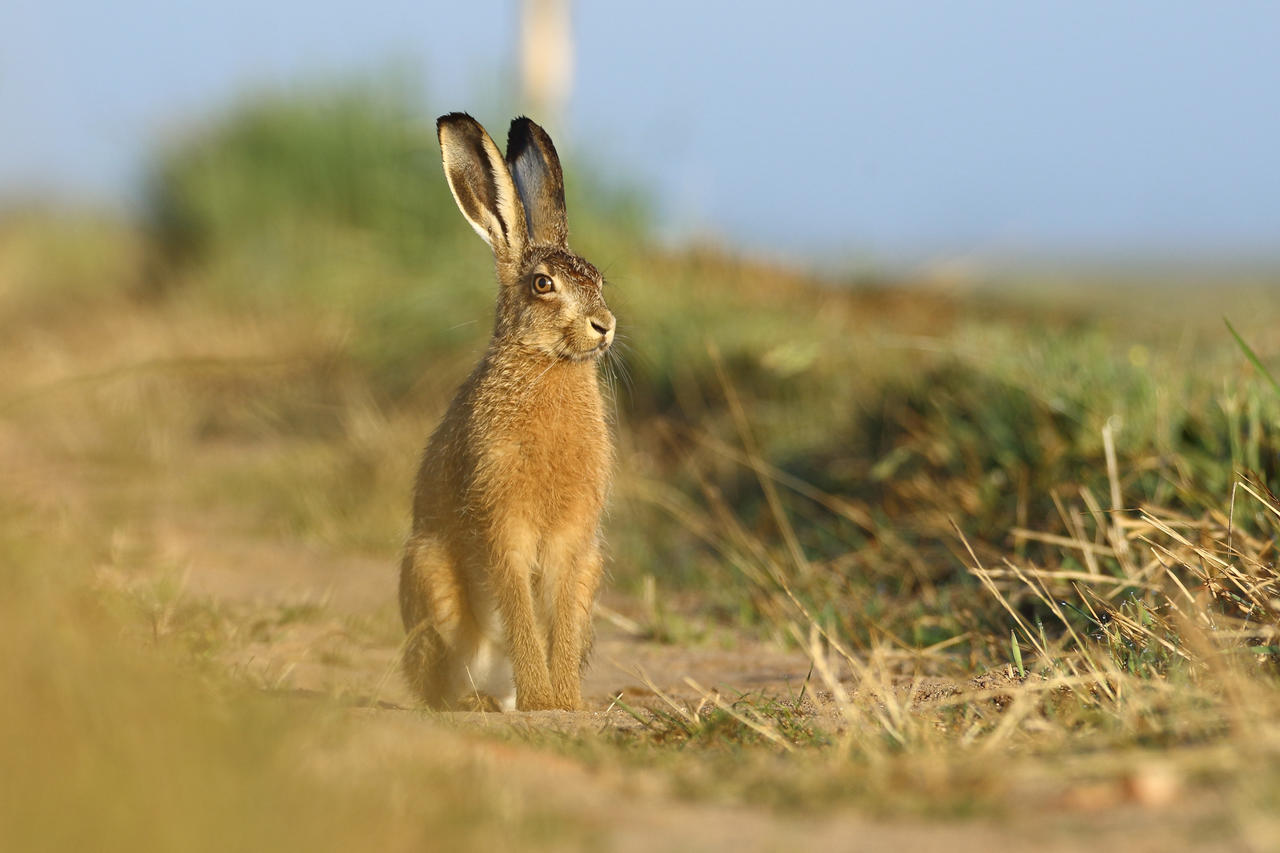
x,y
542,284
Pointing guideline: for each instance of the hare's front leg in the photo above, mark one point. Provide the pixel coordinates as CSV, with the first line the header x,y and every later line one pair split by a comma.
x,y
571,624
512,590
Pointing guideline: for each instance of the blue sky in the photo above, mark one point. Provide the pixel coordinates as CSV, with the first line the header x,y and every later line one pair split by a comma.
x,y
917,130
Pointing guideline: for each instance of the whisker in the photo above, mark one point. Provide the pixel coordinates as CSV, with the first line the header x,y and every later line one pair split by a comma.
x,y
555,358
617,356
620,366
619,370
610,382
633,353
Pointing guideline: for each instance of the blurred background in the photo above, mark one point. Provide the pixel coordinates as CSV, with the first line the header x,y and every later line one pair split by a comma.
x,y
917,260
902,289
869,133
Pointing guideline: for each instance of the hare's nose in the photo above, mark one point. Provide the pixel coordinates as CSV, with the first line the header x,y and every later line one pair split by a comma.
x,y
603,325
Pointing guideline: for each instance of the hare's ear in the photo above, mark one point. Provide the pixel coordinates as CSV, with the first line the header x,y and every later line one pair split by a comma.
x,y
482,185
535,167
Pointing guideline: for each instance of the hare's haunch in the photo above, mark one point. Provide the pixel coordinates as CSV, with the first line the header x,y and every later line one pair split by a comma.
x,y
504,559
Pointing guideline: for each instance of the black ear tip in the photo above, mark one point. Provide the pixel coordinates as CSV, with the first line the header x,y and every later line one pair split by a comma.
x,y
524,132
518,134
449,119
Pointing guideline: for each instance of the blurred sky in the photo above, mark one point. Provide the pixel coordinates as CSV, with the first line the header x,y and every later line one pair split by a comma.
x,y
890,130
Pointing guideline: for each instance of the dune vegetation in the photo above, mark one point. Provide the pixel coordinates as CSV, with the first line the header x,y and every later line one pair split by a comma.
x,y
1020,529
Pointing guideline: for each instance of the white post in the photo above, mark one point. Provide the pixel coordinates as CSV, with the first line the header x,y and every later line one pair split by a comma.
x,y
546,61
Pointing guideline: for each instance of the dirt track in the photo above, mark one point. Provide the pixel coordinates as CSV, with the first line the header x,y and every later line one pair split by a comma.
x,y
633,809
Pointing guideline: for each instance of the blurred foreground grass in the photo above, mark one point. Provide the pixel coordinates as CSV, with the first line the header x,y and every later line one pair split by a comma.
x,y
892,476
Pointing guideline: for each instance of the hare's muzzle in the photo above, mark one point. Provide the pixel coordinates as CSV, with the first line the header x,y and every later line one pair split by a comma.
x,y
604,325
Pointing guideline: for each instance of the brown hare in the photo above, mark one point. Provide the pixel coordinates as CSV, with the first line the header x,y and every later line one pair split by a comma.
x,y
502,565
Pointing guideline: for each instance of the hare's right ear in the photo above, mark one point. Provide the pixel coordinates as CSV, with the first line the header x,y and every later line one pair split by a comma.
x,y
481,184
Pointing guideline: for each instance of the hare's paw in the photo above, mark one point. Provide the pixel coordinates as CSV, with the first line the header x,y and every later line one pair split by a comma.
x,y
479,702
569,699
536,700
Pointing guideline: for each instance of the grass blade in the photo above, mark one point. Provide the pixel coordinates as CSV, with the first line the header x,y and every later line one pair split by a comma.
x,y
1252,356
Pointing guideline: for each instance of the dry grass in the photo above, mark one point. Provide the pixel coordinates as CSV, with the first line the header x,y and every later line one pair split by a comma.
x,y
1016,610
1142,671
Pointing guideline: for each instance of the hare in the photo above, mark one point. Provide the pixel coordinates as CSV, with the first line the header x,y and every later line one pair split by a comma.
x,y
504,559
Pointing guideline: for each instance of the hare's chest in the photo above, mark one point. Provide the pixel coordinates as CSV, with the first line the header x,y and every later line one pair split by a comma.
x,y
555,462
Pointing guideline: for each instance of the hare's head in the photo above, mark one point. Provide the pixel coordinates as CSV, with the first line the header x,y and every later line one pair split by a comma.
x,y
550,300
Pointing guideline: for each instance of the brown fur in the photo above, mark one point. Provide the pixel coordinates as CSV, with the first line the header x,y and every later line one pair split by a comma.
x,y
504,558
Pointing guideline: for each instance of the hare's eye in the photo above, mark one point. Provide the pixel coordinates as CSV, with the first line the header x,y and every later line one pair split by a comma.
x,y
543,284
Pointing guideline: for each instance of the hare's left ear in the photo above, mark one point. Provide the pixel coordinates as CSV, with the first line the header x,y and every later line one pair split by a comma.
x,y
535,168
